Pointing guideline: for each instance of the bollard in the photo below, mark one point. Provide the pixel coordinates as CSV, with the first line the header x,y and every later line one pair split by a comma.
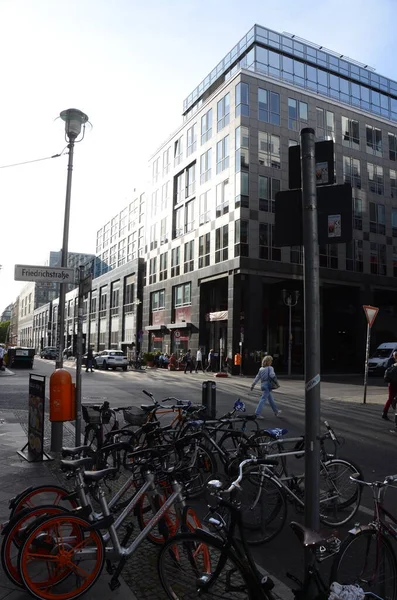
x,y
208,398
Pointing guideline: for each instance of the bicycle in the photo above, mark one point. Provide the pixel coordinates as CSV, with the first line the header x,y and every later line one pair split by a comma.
x,y
67,544
368,551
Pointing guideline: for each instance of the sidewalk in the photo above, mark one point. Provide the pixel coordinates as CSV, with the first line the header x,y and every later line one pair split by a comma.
x,y
15,475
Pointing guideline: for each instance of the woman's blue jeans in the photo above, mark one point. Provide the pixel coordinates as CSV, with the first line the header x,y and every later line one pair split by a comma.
x,y
266,395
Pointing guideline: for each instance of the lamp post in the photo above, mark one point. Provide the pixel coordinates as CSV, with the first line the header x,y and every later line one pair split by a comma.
x,y
290,299
74,122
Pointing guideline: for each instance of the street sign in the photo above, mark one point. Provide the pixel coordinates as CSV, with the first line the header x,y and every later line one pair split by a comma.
x,y
371,313
46,274
325,170
177,334
86,285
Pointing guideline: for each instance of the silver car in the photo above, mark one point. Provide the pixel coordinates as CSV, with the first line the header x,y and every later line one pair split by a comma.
x,y
111,359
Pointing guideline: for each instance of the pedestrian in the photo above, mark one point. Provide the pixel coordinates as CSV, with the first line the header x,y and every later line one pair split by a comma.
x,y
2,352
90,360
391,378
199,360
188,360
265,375
211,358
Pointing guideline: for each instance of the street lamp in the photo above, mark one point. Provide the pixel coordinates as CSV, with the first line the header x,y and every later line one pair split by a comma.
x,y
290,299
75,121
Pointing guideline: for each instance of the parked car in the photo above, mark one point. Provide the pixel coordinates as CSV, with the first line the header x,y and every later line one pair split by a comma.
x,y
111,359
94,355
49,352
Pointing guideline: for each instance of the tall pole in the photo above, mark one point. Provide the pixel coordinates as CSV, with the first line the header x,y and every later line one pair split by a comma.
x,y
57,428
312,333
289,335
366,362
79,357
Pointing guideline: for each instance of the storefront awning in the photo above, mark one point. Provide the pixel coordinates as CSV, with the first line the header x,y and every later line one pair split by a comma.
x,y
179,325
155,327
221,315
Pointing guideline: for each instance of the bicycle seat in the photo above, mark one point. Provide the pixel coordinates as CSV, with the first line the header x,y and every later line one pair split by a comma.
x,y
74,450
90,476
307,537
73,465
275,433
148,407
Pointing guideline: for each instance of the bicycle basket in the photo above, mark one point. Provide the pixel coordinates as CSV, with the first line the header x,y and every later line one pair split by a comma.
x,y
135,417
93,416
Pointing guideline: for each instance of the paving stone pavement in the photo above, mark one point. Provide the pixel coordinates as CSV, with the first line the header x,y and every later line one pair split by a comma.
x,y
140,572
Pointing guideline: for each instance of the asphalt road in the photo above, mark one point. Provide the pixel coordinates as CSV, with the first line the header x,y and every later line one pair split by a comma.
x,y
367,438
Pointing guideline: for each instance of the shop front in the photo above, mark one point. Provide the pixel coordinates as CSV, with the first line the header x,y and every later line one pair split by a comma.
x,y
180,331
156,332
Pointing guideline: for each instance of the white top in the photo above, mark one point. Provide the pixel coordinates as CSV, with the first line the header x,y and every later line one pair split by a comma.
x,y
199,356
2,352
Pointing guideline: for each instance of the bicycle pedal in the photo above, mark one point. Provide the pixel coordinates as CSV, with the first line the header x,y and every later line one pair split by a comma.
x,y
114,584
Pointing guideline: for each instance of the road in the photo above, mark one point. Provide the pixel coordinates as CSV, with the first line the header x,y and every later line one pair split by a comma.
x,y
367,438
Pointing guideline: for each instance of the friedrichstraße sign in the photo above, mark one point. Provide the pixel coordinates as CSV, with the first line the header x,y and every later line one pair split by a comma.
x,y
48,274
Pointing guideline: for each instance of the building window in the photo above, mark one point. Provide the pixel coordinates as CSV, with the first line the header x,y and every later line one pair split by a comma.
x,y
241,238
156,170
153,270
93,308
205,207
377,218
157,300
374,140
189,257
268,188
114,298
204,250
267,250
129,294
182,295
268,107
352,171
269,150
222,154
221,243
189,216
350,133
392,146
223,112
205,166
190,180
191,145
375,178
394,222
393,183
222,198
378,258
131,246
141,241
175,262
242,148
165,194
357,214
114,230
297,114
153,236
328,256
325,129
166,161
178,151
155,203
242,190
163,231
179,221
179,187
123,222
163,266
113,257
242,100
121,252
206,126
103,294
296,255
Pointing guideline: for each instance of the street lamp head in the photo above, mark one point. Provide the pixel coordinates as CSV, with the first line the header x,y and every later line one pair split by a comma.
x,y
74,119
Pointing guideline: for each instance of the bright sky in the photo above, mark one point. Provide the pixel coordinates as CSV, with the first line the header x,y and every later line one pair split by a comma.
x,y
129,65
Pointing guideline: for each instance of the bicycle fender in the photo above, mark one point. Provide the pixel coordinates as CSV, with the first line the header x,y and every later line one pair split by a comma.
x,y
14,501
359,528
10,524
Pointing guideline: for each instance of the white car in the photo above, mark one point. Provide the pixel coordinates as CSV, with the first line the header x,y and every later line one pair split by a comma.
x,y
111,359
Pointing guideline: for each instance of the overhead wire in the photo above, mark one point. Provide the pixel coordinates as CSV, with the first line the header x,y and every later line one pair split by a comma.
x,y
27,162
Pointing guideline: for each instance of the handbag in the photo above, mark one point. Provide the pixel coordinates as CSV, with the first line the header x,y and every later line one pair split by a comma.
x,y
274,384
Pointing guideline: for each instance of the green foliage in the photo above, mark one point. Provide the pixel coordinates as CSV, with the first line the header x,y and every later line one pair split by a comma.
x,y
4,325
148,357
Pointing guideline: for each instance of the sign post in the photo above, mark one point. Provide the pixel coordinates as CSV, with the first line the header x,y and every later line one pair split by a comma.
x,y
371,313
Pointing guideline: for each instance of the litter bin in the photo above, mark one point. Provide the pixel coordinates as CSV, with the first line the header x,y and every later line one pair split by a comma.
x,y
208,398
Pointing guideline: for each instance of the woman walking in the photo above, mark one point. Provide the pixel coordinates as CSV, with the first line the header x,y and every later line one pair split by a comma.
x,y
265,375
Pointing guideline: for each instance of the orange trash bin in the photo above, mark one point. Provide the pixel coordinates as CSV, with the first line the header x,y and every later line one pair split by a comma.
x,y
62,396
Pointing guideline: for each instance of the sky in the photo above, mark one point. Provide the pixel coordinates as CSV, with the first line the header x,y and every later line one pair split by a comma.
x,y
128,65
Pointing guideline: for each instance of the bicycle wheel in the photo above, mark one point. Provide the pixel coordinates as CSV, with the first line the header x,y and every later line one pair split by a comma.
x,y
193,565
263,506
367,559
61,558
338,501
50,495
15,534
196,477
261,447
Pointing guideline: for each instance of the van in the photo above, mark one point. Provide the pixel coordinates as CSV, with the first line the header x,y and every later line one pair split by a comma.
x,y
382,358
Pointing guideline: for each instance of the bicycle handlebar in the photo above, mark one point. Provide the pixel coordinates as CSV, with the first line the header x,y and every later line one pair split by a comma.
x,y
389,479
255,461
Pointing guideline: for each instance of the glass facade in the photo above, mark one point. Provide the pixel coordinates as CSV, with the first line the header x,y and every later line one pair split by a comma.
x,y
305,65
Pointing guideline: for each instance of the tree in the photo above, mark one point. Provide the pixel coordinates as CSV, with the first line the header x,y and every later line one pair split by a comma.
x,y
4,325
